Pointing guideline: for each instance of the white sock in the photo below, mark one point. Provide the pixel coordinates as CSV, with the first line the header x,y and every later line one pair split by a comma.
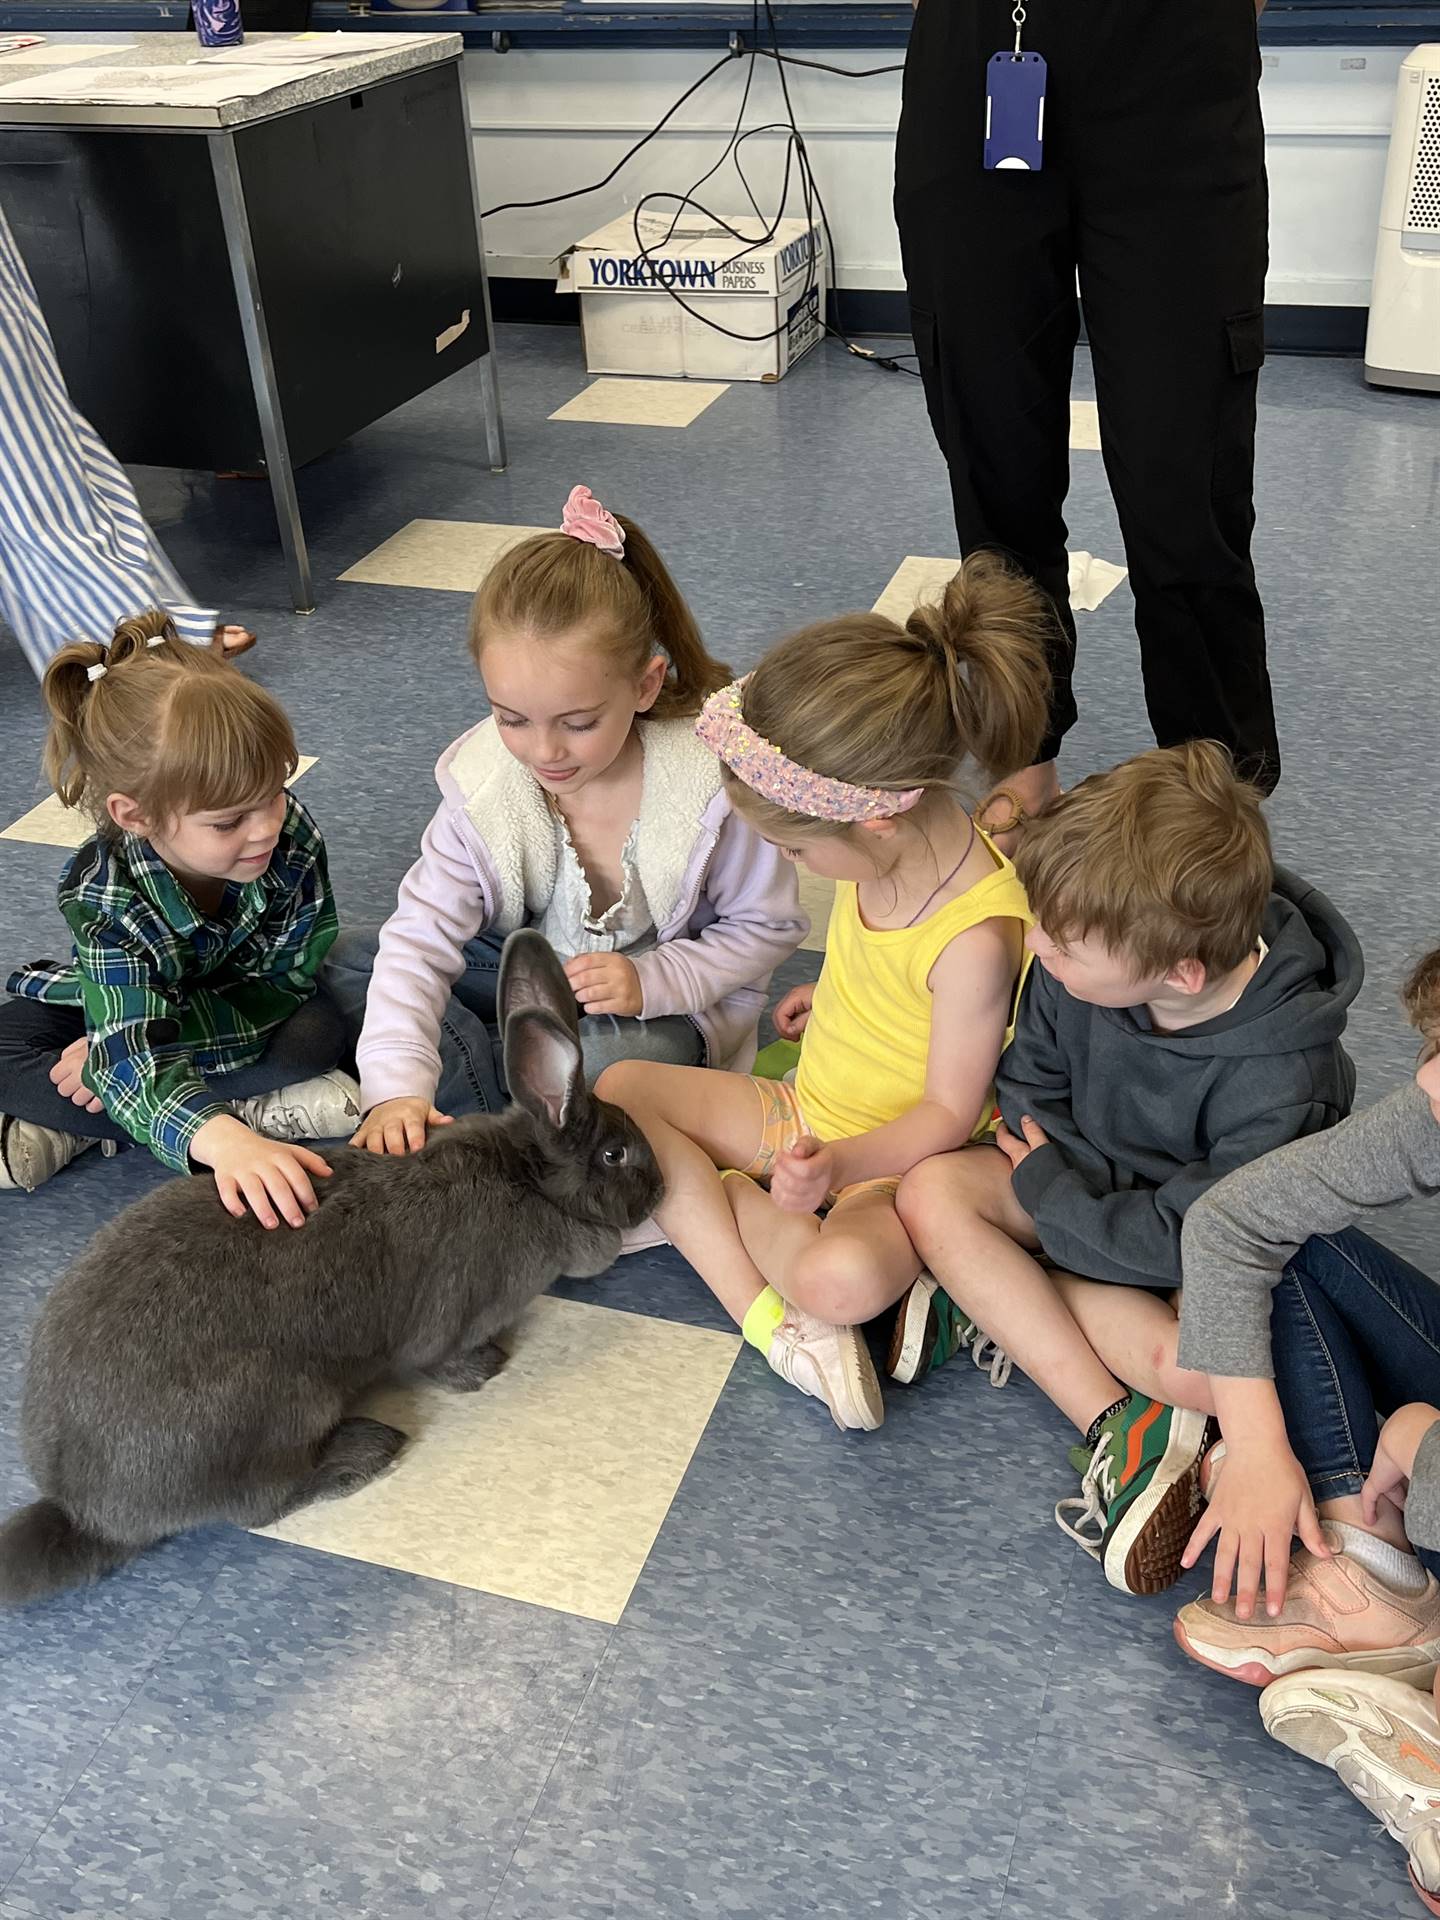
x,y
1393,1565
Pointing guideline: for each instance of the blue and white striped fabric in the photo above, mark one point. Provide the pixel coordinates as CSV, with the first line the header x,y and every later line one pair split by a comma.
x,y
75,552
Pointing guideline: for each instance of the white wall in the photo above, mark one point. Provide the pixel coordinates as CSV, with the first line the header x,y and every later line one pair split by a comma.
x,y
547,122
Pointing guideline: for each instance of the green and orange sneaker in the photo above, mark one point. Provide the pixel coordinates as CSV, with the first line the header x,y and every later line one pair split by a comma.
x,y
1140,1495
930,1329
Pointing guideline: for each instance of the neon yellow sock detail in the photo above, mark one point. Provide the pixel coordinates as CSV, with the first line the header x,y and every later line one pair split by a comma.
x,y
763,1318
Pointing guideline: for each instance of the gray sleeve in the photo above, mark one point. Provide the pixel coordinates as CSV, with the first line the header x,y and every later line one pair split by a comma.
x,y
1238,1237
1422,1503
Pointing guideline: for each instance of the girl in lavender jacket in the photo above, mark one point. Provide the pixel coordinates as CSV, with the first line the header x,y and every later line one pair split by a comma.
x,y
584,806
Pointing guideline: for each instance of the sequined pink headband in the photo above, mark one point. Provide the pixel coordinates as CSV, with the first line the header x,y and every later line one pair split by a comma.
x,y
766,771
585,519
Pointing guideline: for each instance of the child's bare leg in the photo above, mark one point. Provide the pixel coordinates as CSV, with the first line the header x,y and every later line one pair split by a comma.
x,y
968,1228
844,1270
696,1121
859,1263
774,1240
1137,1336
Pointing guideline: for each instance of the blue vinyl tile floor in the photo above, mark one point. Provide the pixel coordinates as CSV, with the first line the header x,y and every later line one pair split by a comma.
x,y
856,1675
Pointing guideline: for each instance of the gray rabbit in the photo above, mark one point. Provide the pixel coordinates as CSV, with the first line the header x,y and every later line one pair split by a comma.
x,y
192,1368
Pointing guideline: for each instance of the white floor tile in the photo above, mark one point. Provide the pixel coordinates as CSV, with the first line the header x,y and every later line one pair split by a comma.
x,y
642,403
550,1484
1084,426
449,555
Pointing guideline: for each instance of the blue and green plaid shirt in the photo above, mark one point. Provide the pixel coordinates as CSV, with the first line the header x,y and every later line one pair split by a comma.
x,y
171,994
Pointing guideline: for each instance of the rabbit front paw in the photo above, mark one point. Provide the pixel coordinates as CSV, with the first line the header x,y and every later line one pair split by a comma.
x,y
468,1372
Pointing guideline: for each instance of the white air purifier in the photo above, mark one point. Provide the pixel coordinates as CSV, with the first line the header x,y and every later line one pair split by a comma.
x,y
1402,346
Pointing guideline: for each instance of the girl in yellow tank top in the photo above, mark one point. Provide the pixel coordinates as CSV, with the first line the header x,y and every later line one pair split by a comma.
x,y
842,748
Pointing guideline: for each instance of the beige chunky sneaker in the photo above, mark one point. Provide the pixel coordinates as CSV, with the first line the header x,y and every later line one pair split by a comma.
x,y
1337,1615
326,1108
30,1154
1381,1737
832,1364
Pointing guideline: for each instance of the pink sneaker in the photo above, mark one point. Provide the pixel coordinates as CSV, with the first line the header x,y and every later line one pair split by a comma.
x,y
1336,1614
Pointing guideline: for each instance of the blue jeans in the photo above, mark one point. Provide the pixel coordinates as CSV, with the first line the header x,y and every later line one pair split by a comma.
x,y
34,1034
472,1065
1355,1333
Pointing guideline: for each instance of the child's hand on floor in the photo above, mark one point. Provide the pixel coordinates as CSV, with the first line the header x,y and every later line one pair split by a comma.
x,y
1394,1462
398,1126
65,1076
804,1175
270,1177
1259,1502
606,983
793,1011
1017,1150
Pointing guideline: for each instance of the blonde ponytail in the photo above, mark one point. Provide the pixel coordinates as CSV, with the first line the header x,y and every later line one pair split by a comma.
x,y
987,636
863,700
553,586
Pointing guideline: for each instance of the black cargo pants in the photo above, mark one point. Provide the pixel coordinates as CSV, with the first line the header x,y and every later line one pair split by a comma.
x,y
1153,191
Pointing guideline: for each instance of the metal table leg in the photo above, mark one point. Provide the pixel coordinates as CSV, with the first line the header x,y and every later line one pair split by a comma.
x,y
489,384
239,246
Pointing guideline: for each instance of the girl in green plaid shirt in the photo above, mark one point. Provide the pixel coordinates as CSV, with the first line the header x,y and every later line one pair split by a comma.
x,y
187,1017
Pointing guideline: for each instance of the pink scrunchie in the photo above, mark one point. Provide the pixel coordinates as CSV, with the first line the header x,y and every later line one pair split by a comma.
x,y
585,519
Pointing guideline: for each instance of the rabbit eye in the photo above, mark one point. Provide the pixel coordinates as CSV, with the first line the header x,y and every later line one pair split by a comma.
x,y
614,1156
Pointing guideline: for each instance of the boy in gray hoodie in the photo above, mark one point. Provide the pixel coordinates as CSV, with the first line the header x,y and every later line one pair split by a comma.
x,y
1185,1017
1313,1334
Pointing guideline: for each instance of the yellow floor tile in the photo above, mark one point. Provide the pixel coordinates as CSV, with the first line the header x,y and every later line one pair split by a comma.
x,y
449,555
923,577
918,577
642,403
53,825
1084,426
550,1484
817,897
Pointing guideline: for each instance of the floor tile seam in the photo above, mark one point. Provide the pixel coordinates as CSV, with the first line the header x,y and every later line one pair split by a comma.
x,y
139,1687
560,1752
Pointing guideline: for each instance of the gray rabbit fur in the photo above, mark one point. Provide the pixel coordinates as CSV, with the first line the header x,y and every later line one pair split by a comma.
x,y
192,1368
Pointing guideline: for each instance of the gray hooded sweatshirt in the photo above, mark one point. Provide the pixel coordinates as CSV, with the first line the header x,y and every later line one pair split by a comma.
x,y
1240,1236
1141,1123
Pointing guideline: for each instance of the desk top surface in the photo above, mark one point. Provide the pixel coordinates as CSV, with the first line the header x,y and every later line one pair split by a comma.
x,y
169,82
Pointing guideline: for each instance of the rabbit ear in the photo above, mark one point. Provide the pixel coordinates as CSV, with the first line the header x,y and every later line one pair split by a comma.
x,y
544,1067
531,977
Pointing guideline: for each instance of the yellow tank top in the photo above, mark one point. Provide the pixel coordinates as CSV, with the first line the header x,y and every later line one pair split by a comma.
x,y
867,1041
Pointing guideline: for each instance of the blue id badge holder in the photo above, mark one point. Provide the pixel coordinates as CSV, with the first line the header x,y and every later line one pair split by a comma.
x,y
1015,107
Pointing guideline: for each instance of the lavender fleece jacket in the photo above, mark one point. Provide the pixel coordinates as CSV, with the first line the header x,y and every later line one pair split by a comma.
x,y
726,904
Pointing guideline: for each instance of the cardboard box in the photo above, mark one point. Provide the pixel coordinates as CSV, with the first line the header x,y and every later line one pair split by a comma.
x,y
772,288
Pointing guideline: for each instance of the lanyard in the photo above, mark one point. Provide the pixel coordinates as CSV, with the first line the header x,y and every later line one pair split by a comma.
x,y
1019,16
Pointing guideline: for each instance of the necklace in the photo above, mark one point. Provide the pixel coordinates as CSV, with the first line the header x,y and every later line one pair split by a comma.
x,y
969,846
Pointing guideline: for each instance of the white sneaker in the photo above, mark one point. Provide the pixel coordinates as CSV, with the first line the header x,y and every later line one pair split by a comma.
x,y
326,1108
31,1154
832,1364
1381,1737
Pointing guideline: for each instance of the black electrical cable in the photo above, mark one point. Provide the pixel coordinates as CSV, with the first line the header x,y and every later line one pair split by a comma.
x,y
554,199
795,153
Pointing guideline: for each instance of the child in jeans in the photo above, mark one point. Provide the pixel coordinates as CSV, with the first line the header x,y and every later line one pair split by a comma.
x,y
1185,1017
187,1016
1350,1632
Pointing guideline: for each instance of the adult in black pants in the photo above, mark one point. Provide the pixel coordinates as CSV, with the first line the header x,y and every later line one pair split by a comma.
x,y
1153,190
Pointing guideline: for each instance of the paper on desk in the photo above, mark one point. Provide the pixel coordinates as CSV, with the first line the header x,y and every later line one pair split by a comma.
x,y
45,53
310,49
191,85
